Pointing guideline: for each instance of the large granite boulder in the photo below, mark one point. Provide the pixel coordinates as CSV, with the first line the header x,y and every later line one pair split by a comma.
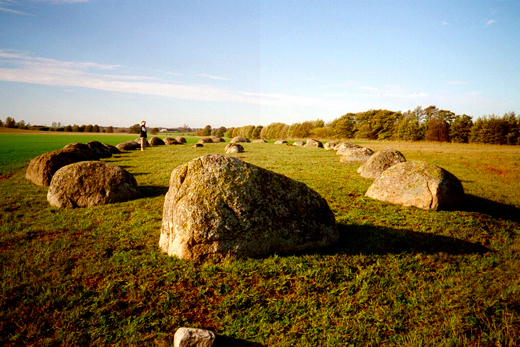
x,y
312,143
41,169
379,162
156,141
80,147
347,145
91,183
238,139
419,184
280,142
100,149
298,143
259,141
330,145
217,139
349,155
180,139
234,148
128,145
192,337
112,149
205,140
219,206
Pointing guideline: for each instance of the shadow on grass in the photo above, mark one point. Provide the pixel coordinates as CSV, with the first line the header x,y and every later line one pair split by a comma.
x,y
152,191
369,239
492,208
226,341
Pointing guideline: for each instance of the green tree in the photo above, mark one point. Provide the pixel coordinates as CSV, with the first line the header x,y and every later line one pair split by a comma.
x,y
408,127
206,131
514,128
95,128
134,129
10,122
110,129
75,128
437,129
460,129
257,132
229,132
154,131
89,128
343,127
68,128
220,132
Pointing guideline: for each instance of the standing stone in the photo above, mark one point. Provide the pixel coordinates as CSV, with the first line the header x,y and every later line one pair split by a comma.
x,y
91,183
379,162
419,184
190,337
219,206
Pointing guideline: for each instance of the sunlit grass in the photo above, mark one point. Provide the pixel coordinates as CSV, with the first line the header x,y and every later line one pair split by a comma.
x,y
398,276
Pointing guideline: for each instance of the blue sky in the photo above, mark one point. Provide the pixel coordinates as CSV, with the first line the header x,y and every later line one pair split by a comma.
x,y
235,63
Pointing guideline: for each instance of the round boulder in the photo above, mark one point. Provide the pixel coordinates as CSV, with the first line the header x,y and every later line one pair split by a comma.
x,y
379,162
312,143
180,139
169,141
41,169
238,139
348,145
330,145
101,150
299,143
128,145
419,184
80,147
219,206
349,155
234,148
259,141
205,140
280,142
91,183
195,145
156,141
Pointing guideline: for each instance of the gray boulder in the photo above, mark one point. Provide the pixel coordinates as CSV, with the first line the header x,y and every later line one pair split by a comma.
x,y
379,162
205,140
280,142
219,206
234,148
80,147
330,145
299,143
91,183
259,141
419,184
41,169
195,145
216,139
238,139
312,143
112,149
180,139
357,154
156,141
101,150
191,337
128,145
348,145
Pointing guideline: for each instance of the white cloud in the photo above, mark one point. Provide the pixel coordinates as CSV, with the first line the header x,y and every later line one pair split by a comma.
x,y
445,23
489,22
213,77
3,9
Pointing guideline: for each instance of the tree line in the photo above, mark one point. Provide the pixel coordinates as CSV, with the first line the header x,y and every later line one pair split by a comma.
x,y
431,124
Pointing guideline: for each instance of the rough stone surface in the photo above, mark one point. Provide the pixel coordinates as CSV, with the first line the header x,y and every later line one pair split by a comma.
x,y
419,184
81,147
197,145
91,183
234,148
355,154
180,139
156,141
238,139
41,169
169,141
128,145
330,145
348,145
379,162
299,143
312,143
219,206
101,150
190,337
216,139
259,141
280,142
112,149
205,140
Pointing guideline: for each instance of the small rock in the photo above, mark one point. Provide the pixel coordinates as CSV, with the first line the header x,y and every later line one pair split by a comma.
x,y
190,337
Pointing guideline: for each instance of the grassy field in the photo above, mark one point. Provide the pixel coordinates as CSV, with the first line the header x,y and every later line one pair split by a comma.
x,y
398,276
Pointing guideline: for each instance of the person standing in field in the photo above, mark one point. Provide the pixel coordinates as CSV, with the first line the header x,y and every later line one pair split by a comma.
x,y
143,135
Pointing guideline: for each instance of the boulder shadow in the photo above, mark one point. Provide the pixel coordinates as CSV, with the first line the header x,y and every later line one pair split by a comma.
x,y
491,208
374,240
152,191
227,341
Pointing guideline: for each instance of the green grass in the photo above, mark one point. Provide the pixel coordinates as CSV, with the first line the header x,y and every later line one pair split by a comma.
x,y
397,277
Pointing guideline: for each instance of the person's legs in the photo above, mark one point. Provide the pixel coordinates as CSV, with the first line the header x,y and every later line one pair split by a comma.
x,y
142,143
